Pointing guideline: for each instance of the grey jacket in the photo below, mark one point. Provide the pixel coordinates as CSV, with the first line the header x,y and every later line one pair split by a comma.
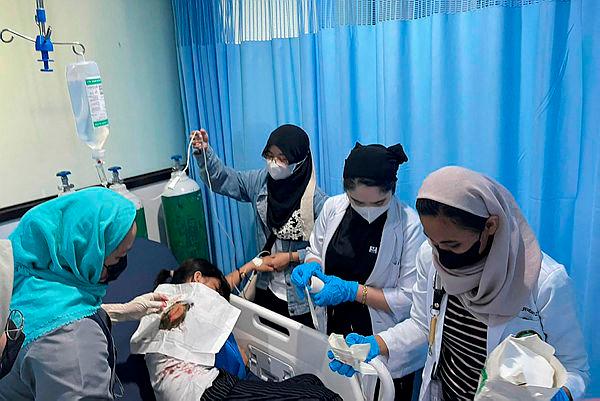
x,y
67,364
251,186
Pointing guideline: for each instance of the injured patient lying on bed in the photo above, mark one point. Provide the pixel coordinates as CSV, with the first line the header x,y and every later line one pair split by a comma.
x,y
181,347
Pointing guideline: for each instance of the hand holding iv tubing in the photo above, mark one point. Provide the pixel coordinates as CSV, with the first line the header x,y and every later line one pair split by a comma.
x,y
278,261
175,179
199,142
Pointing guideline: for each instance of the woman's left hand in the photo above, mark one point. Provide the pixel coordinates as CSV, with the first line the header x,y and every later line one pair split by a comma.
x,y
335,290
351,339
279,261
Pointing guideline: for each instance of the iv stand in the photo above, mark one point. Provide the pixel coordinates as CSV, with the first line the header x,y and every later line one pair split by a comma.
x,y
43,42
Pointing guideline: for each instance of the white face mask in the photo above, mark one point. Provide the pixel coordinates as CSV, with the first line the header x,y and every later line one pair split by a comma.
x,y
278,172
371,213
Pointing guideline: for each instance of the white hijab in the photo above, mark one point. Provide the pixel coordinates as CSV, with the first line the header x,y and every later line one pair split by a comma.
x,y
501,283
6,280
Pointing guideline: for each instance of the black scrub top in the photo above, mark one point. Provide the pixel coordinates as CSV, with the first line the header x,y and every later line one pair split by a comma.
x,y
351,256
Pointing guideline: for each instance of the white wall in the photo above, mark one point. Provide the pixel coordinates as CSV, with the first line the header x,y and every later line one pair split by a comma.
x,y
133,42
7,228
150,196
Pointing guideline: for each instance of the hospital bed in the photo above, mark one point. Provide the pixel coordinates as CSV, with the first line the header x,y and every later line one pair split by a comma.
x,y
278,347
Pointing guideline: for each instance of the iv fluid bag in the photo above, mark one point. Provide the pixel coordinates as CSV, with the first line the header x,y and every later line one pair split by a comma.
x,y
87,101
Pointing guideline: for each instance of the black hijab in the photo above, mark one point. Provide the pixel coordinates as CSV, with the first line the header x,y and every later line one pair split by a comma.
x,y
284,196
375,162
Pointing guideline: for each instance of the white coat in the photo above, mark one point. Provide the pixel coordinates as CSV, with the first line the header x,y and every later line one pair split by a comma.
x,y
394,271
550,311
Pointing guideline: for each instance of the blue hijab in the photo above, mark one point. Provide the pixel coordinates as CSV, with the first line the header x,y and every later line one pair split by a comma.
x,y
59,251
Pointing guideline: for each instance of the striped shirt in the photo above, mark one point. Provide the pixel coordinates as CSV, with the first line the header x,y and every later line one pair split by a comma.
x,y
463,352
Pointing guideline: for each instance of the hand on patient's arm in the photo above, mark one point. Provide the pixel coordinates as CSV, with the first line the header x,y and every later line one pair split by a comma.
x,y
265,266
137,308
235,277
281,260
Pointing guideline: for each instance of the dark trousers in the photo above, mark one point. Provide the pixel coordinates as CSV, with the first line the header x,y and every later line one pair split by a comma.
x,y
404,387
298,388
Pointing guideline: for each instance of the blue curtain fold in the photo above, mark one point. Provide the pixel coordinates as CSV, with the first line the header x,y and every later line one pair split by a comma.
x,y
508,88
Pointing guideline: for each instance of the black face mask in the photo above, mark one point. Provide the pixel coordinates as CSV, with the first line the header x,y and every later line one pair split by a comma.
x,y
451,260
114,271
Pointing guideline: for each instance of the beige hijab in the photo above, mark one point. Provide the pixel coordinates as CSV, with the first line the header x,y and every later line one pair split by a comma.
x,y
501,283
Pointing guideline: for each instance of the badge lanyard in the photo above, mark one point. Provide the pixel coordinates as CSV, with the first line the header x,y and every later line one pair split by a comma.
x,y
434,310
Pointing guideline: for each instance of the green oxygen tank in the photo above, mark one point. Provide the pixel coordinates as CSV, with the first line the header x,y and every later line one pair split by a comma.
x,y
184,216
120,188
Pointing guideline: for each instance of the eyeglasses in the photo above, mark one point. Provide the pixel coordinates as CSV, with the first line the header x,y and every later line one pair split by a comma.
x,y
280,159
18,320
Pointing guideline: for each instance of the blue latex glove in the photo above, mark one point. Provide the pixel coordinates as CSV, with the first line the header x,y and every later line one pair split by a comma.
x,y
354,338
301,276
335,291
351,339
340,367
561,395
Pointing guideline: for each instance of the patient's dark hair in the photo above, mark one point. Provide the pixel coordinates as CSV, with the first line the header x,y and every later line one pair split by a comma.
x,y
186,271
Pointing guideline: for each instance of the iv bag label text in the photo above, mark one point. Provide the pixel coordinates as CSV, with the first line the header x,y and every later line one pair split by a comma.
x,y
95,96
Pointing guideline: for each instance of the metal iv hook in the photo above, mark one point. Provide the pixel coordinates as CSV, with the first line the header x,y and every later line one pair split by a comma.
x,y
8,35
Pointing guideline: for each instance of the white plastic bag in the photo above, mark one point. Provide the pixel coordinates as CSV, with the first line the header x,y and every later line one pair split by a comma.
x,y
208,319
521,368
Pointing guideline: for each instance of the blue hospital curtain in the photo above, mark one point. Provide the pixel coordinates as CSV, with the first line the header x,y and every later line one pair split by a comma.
x,y
506,87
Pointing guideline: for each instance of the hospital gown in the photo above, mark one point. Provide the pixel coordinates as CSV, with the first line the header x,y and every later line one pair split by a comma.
x,y
173,379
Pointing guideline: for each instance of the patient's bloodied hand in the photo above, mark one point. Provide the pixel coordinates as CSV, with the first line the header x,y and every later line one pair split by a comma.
x,y
174,315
